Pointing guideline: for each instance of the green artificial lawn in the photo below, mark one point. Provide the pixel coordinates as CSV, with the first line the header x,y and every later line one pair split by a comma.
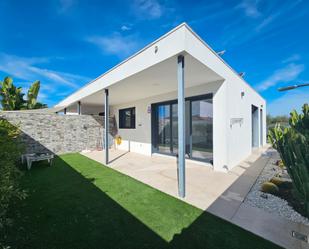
x,y
78,203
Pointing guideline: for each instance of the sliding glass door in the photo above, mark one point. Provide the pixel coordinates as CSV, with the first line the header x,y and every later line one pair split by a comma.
x,y
201,129
198,127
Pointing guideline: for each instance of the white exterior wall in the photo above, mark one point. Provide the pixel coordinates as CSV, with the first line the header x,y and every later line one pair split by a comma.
x,y
85,109
139,139
231,143
239,136
220,149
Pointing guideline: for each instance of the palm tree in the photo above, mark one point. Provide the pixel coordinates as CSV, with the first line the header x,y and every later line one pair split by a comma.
x,y
33,94
12,97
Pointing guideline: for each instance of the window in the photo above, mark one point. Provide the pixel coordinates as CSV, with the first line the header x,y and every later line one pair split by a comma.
x,y
127,118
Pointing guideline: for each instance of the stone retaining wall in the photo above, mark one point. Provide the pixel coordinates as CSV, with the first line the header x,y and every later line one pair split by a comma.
x,y
58,133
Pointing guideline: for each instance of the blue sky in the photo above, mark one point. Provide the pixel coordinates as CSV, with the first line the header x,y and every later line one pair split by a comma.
x,y
66,43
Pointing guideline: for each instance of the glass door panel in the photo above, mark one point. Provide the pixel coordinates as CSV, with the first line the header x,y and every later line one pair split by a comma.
x,y
188,129
198,128
175,128
164,129
202,129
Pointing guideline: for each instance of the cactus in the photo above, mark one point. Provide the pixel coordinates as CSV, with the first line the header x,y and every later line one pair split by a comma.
x,y
292,143
277,181
281,183
269,187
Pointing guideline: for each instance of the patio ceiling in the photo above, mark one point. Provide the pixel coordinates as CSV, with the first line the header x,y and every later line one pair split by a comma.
x,y
158,79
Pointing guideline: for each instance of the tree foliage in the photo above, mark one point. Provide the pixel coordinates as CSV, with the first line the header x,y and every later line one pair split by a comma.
x,y
273,120
33,94
12,98
10,152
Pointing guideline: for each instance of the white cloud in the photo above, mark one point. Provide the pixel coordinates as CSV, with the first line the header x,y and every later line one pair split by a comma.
x,y
149,9
278,11
292,58
125,28
250,7
27,69
293,99
268,20
211,16
286,74
116,44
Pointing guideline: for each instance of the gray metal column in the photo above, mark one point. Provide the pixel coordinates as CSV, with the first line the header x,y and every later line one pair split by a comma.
x,y
106,125
181,127
79,108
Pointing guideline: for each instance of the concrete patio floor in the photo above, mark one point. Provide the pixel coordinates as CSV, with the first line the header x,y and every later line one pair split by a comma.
x,y
221,194
203,184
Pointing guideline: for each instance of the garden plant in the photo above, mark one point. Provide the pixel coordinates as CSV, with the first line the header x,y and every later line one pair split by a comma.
x,y
12,97
292,143
10,151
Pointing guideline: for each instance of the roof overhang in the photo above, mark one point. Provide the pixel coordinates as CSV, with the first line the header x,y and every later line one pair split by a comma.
x,y
153,70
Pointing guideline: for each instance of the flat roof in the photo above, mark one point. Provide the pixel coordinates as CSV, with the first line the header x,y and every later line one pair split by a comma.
x,y
74,96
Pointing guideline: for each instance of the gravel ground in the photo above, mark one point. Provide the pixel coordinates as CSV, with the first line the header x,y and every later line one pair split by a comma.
x,y
272,204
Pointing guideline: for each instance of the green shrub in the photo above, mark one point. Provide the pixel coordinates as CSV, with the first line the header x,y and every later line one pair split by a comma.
x,y
269,187
292,143
10,151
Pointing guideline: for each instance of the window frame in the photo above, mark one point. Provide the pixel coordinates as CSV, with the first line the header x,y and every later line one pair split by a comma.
x,y
122,123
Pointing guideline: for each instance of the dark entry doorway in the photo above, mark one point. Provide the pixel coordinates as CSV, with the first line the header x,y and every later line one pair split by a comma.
x,y
255,126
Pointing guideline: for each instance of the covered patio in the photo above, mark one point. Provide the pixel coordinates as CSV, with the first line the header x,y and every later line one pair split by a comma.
x,y
176,96
176,79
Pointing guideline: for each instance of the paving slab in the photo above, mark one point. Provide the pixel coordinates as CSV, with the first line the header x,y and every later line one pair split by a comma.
x,y
268,226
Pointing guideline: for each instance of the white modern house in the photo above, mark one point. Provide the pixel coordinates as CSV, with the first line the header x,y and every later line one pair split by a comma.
x,y
178,97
